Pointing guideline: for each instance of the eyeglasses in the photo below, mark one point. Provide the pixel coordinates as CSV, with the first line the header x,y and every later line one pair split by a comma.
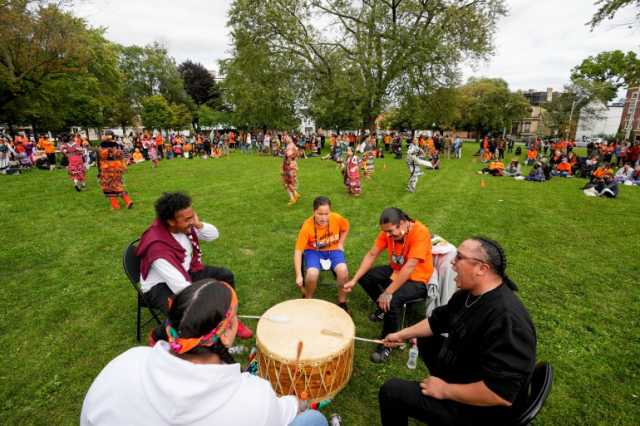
x,y
460,257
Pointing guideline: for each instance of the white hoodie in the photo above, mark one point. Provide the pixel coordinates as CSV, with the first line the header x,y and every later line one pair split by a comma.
x,y
150,386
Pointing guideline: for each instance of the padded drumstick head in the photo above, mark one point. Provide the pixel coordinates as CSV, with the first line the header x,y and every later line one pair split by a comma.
x,y
278,318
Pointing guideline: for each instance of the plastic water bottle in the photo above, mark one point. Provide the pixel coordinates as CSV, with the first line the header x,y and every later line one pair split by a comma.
x,y
336,420
238,349
413,355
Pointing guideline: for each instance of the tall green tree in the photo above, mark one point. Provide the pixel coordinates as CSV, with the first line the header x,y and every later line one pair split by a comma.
x,y
608,8
181,117
39,43
391,43
440,109
156,112
607,72
199,83
259,85
487,105
150,71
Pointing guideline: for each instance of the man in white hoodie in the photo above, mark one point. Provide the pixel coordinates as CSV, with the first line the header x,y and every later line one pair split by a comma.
x,y
191,379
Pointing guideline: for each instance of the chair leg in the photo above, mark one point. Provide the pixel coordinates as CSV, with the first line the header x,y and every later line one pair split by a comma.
x,y
138,320
404,313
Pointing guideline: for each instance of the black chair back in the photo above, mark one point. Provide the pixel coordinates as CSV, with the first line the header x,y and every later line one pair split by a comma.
x,y
131,264
541,382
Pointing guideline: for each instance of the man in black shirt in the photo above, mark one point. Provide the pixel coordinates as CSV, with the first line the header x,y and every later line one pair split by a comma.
x,y
480,371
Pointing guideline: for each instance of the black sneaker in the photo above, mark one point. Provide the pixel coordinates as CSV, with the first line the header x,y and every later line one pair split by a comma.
x,y
376,316
344,306
381,355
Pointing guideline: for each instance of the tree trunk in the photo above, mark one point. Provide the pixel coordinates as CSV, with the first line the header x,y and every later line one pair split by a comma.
x,y
371,124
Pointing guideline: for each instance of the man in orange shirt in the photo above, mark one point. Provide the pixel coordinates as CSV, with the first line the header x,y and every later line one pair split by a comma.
x,y
563,169
321,241
408,244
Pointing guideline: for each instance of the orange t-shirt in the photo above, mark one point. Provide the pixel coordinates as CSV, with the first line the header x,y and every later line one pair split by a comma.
x,y
416,245
532,154
328,235
49,147
496,165
564,167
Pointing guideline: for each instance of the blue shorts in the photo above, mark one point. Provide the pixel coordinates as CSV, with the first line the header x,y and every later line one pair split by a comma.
x,y
312,258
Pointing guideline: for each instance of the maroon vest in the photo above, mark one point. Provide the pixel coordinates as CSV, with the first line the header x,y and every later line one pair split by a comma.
x,y
158,243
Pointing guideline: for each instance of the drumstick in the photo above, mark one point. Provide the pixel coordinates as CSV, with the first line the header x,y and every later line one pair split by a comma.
x,y
274,318
338,334
295,372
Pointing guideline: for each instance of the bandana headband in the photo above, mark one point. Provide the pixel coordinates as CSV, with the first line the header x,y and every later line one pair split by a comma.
x,y
180,345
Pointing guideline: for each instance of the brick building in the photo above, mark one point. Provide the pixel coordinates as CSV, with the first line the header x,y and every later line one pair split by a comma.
x,y
630,121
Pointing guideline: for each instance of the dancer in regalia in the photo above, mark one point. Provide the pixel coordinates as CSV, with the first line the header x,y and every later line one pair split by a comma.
x,y
290,170
112,167
75,153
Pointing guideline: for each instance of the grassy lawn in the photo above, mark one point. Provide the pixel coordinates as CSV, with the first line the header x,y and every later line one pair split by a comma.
x,y
67,308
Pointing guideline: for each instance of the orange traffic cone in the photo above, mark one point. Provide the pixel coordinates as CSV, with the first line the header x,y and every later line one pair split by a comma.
x,y
482,184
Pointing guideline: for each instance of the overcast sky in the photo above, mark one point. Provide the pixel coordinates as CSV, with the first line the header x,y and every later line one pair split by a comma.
x,y
536,45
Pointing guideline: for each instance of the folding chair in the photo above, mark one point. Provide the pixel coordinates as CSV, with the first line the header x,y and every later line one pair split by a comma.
x,y
410,303
131,266
541,382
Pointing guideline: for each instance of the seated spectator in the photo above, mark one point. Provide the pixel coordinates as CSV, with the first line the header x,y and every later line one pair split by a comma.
x,y
513,169
563,169
635,177
602,183
536,174
7,167
532,156
623,174
495,168
137,156
434,158
190,378
187,151
177,150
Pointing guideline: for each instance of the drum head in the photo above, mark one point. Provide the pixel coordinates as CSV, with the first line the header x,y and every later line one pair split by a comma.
x,y
306,319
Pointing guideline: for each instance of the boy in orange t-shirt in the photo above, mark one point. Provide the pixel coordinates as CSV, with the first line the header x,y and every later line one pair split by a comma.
x,y
405,278
321,243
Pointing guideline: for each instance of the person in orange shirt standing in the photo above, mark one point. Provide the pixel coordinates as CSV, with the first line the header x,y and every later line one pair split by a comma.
x,y
321,243
405,278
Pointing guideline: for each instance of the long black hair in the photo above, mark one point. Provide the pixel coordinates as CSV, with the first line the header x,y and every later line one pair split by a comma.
x,y
394,216
321,201
197,310
496,259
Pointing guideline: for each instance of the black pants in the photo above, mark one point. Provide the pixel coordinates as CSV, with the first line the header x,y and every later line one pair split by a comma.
x,y
376,280
160,294
401,399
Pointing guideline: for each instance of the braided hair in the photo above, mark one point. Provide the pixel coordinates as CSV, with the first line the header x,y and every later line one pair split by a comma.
x,y
496,259
198,309
394,216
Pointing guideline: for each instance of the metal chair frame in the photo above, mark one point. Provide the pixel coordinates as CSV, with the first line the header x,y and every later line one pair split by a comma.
x,y
131,267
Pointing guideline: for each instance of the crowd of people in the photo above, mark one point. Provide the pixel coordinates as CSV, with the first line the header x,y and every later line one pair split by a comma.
x,y
188,374
606,165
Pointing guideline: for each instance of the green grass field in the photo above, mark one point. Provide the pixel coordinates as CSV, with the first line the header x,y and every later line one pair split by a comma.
x,y
67,308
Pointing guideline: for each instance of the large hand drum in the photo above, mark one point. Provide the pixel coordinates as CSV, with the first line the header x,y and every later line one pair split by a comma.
x,y
326,361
